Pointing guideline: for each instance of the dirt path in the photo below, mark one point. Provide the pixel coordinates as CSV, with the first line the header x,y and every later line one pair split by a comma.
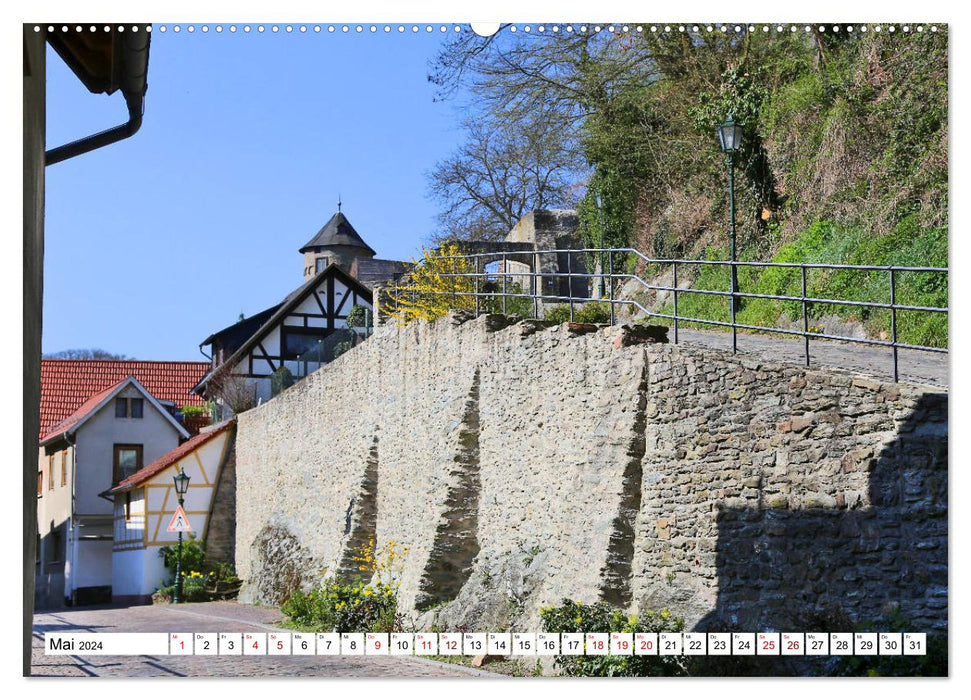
x,y
915,366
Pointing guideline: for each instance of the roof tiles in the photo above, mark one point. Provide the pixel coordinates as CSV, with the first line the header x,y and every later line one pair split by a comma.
x,y
170,458
66,385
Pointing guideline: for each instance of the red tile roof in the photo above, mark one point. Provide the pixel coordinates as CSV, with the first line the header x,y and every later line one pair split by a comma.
x,y
174,456
65,385
73,419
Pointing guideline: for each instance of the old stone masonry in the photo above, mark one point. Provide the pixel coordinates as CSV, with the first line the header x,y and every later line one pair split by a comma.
x,y
523,465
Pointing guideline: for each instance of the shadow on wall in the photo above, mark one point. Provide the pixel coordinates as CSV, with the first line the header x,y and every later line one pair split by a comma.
x,y
839,563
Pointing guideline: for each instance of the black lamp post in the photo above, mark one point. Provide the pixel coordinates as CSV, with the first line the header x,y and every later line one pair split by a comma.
x,y
730,138
600,253
181,486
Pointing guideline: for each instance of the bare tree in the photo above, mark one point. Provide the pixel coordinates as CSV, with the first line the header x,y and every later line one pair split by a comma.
x,y
571,73
85,354
232,391
528,138
500,173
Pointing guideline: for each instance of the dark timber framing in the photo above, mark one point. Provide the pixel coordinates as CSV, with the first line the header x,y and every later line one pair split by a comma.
x,y
283,318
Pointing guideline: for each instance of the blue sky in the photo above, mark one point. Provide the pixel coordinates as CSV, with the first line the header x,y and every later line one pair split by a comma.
x,y
154,242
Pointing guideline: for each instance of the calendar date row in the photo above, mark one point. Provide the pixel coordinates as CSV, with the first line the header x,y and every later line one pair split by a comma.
x,y
491,643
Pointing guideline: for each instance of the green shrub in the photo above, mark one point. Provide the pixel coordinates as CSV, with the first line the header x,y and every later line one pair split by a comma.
x,y
193,555
514,305
342,347
346,607
557,314
219,583
339,606
827,242
281,379
589,312
593,312
573,616
359,317
193,411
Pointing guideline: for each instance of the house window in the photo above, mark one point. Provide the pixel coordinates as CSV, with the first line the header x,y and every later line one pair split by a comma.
x,y
64,468
128,460
129,408
40,483
54,552
303,343
50,473
320,264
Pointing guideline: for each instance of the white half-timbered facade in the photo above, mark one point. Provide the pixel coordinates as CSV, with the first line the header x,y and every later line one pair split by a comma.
x,y
145,504
307,330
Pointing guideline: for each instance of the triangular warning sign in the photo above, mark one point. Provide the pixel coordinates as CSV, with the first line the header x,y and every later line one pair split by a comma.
x,y
180,522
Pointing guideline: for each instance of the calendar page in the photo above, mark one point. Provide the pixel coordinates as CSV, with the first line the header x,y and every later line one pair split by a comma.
x,y
554,348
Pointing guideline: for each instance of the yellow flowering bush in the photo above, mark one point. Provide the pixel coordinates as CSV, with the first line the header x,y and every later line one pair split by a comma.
x,y
355,606
433,287
574,616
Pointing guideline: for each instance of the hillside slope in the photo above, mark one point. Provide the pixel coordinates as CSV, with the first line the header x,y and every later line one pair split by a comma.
x,y
845,161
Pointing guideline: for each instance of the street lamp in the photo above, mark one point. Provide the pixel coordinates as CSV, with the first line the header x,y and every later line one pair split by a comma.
x,y
600,253
730,138
181,486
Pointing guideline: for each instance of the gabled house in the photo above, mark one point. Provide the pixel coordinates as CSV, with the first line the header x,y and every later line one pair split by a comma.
x,y
306,330
145,502
107,439
66,384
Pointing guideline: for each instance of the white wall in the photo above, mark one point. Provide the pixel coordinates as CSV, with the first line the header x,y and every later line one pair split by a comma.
x,y
95,449
127,572
138,572
93,564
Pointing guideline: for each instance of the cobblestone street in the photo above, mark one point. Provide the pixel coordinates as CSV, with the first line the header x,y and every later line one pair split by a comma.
x,y
210,617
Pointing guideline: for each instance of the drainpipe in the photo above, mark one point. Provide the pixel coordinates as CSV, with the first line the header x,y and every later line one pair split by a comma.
x,y
133,86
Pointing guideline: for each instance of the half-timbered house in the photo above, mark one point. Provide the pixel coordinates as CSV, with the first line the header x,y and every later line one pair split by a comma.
x,y
308,329
104,441
145,502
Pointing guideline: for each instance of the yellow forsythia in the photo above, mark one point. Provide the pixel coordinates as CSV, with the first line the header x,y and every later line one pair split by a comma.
x,y
433,288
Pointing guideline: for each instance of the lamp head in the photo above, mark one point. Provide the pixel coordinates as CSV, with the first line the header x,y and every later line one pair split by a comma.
x,y
730,135
181,482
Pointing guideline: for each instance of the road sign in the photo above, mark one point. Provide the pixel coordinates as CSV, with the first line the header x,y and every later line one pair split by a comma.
x,y
180,522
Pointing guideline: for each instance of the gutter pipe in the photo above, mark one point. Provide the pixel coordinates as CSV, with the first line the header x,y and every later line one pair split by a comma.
x,y
133,87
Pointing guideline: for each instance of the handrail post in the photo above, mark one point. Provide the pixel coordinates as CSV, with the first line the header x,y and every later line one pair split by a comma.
x,y
805,313
505,271
476,287
731,307
569,280
454,305
610,282
534,283
893,320
675,285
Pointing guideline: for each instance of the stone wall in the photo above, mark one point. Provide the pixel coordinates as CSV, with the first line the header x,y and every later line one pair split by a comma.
x,y
221,532
523,464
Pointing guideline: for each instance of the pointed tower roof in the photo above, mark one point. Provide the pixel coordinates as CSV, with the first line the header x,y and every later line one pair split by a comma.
x,y
336,232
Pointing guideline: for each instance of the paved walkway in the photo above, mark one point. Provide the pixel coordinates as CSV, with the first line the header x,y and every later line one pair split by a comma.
x,y
916,367
211,617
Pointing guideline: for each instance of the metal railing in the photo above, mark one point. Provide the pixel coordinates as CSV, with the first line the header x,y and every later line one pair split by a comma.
x,y
501,285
